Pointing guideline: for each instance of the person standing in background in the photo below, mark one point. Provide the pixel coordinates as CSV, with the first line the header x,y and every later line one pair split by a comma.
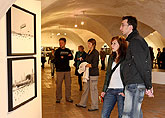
x,y
92,58
158,58
62,57
52,62
162,59
102,57
43,60
152,55
79,58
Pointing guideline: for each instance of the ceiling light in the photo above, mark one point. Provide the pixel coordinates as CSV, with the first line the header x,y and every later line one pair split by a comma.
x,y
82,22
52,34
75,25
64,33
58,34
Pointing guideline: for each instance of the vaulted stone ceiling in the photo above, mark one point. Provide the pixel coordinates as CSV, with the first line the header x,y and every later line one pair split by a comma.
x,y
103,17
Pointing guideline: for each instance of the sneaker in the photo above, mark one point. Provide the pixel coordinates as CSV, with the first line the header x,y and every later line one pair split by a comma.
x,y
70,100
78,105
93,109
57,101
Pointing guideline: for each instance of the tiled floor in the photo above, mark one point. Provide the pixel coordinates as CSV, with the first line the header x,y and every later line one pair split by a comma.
x,y
152,107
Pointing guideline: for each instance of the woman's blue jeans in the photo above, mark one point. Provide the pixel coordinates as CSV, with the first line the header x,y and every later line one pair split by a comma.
x,y
111,97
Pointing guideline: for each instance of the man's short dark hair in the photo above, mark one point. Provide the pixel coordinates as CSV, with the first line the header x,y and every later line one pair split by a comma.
x,y
164,49
131,21
158,49
62,39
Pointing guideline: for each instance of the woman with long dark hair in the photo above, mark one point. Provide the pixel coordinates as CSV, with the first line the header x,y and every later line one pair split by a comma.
x,y
113,85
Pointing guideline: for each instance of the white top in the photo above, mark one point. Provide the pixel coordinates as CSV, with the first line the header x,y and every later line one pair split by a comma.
x,y
116,81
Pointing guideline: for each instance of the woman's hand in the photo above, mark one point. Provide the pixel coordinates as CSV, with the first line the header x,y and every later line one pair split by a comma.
x,y
122,94
89,65
102,94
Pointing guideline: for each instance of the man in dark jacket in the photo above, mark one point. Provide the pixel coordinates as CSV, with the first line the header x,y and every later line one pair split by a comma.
x,y
62,57
52,62
136,69
102,57
162,59
158,57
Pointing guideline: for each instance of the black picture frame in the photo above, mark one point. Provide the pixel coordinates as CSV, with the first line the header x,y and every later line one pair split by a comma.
x,y
21,89
20,32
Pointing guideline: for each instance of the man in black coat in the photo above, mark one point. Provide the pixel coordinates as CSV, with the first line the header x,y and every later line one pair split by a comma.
x,y
136,69
162,59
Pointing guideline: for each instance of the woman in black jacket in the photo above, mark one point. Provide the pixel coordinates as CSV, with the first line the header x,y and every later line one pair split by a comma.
x,y
92,58
113,85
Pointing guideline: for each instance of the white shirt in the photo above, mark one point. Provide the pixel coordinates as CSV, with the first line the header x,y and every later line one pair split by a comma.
x,y
116,81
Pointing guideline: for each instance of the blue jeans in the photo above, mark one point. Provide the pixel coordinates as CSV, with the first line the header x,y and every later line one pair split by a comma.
x,y
134,94
111,97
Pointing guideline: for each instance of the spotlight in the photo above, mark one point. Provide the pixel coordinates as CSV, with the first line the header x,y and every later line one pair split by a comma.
x,y
58,34
82,23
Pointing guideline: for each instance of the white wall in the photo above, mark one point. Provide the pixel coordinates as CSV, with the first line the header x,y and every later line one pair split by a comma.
x,y
31,109
4,5
158,77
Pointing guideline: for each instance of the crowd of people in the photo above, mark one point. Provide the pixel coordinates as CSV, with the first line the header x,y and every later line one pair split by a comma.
x,y
128,72
159,60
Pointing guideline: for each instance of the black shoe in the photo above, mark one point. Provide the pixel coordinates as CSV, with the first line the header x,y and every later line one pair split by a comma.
x,y
93,109
70,100
77,105
57,101
80,89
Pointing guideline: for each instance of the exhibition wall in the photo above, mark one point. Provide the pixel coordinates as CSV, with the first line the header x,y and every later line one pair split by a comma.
x,y
32,108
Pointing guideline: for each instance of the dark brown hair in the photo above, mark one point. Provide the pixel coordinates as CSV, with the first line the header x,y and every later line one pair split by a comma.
x,y
93,41
82,47
122,47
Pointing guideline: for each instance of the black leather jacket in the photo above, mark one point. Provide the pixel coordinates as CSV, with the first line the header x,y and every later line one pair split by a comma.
x,y
109,73
137,65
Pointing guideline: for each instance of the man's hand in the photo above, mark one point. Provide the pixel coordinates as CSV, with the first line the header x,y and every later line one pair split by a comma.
x,y
62,57
69,55
150,92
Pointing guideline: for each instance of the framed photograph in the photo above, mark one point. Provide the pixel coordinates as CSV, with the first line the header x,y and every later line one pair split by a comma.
x,y
21,32
22,81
